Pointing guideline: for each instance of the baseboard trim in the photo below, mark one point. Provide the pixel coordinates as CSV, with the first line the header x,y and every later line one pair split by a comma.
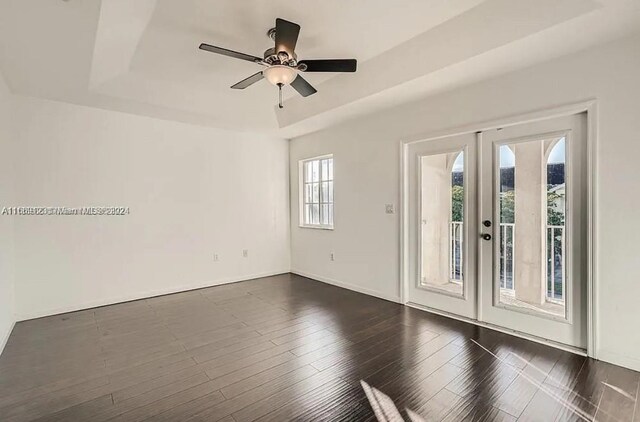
x,y
347,286
144,295
5,339
618,359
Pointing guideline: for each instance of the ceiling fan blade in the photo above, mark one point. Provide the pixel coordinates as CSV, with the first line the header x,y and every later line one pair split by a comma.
x,y
286,36
330,65
303,87
230,53
249,81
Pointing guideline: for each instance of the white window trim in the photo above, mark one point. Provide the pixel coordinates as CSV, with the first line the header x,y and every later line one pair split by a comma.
x,y
301,182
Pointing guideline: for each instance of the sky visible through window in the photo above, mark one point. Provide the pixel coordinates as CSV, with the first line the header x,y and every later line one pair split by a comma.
x,y
458,165
507,159
557,153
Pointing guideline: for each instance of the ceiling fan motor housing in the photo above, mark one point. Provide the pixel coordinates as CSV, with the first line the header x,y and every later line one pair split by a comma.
x,y
272,57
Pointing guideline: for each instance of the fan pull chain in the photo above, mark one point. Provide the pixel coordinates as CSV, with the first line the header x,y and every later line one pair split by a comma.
x,y
280,96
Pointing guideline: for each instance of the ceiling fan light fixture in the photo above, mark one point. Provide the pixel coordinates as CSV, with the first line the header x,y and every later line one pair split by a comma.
x,y
280,75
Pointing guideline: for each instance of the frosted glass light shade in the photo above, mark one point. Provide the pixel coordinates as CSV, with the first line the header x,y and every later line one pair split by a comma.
x,y
279,74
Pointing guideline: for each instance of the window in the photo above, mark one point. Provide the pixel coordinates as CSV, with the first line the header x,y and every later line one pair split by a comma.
x,y
316,205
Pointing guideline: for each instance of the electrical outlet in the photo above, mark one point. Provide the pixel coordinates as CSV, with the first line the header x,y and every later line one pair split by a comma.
x,y
216,258
389,209
332,256
245,253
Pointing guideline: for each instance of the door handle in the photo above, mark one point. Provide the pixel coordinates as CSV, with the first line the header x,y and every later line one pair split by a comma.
x,y
486,236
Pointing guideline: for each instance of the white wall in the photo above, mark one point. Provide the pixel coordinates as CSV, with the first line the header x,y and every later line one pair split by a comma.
x,y
367,170
7,317
192,191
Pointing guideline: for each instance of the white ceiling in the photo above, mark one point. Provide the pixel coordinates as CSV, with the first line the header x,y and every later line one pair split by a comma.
x,y
141,56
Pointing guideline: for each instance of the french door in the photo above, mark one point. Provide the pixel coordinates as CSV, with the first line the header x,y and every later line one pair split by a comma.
x,y
496,227
442,212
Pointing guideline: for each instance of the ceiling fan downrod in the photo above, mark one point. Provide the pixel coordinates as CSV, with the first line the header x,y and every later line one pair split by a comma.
x,y
280,96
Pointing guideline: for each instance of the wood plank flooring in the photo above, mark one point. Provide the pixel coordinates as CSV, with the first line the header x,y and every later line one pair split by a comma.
x,y
289,348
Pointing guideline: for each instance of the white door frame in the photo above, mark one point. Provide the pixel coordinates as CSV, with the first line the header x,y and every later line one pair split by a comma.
x,y
588,106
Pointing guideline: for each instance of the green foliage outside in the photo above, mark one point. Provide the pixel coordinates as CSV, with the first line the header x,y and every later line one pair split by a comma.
x,y
457,201
554,217
507,206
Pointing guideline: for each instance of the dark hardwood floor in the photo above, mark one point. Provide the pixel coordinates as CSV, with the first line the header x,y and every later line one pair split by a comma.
x,y
289,348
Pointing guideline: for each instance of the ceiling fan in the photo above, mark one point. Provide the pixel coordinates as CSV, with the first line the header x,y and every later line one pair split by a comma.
x,y
281,61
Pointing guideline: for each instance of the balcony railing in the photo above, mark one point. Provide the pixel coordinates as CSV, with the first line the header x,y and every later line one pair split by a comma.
x,y
555,283
455,252
555,263
507,263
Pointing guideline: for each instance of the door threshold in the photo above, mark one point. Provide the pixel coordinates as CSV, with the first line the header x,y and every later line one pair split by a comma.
x,y
550,343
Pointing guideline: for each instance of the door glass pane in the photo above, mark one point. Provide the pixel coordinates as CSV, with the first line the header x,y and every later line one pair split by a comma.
x,y
442,218
530,240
